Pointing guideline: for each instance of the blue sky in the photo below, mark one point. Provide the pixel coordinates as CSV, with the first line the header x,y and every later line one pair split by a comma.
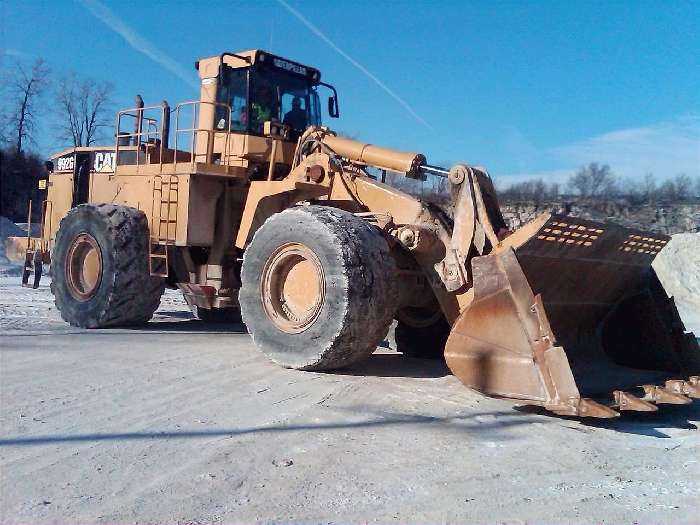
x,y
524,88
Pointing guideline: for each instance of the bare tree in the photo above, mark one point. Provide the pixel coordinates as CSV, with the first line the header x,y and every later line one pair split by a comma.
x,y
84,109
554,191
594,181
683,185
667,191
580,183
649,189
26,87
539,191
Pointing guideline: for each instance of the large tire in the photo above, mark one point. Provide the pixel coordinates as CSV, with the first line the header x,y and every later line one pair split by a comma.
x,y
335,278
421,333
100,267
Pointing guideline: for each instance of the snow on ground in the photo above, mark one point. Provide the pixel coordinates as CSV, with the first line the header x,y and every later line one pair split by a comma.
x,y
186,422
183,421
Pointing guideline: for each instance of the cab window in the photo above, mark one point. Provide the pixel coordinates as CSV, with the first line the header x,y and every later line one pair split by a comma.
x,y
284,97
274,95
233,93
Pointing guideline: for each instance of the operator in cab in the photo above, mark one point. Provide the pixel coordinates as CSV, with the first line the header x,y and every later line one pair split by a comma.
x,y
296,117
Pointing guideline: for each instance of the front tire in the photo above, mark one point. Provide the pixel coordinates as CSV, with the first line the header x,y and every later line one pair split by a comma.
x,y
318,288
100,267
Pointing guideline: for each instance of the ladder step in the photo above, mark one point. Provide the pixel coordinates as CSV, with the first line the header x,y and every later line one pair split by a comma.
x,y
158,256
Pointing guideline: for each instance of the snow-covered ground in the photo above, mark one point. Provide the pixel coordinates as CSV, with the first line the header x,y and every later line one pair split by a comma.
x,y
183,421
186,422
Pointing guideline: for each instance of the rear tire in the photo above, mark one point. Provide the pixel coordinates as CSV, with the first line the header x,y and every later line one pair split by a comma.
x,y
423,338
318,288
100,267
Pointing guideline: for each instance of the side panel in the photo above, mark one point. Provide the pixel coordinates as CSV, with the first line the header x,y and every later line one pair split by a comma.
x,y
59,202
201,208
163,198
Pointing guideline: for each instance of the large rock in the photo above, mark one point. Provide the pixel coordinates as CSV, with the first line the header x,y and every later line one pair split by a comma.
x,y
678,268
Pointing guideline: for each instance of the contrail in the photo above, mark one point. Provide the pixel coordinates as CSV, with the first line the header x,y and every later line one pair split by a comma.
x,y
14,53
315,30
138,42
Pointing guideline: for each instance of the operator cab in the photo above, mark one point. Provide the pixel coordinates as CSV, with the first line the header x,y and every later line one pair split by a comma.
x,y
260,87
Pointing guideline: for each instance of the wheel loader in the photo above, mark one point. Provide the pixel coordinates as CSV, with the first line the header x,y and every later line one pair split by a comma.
x,y
259,213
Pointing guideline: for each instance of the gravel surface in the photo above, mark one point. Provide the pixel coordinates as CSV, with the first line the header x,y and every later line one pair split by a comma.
x,y
186,422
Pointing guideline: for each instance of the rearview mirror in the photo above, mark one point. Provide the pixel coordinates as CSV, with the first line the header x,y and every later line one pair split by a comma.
x,y
333,107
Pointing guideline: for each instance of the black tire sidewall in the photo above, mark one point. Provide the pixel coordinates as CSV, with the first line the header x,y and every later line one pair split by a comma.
x,y
83,219
295,350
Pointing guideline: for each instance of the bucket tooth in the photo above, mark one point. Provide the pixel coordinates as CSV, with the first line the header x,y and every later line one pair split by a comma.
x,y
589,408
582,407
627,401
686,388
659,395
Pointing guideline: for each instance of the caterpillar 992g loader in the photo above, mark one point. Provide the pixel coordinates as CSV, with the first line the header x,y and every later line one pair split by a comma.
x,y
257,210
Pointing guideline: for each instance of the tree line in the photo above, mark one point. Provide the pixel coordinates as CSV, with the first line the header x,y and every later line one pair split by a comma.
x,y
597,184
75,110
594,184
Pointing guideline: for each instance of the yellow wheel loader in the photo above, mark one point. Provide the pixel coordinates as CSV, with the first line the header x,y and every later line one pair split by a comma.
x,y
255,211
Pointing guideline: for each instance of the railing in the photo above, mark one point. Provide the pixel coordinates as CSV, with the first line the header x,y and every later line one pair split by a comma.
x,y
209,134
148,136
142,137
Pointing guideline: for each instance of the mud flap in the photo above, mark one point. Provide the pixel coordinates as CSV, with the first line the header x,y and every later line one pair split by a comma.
x,y
574,311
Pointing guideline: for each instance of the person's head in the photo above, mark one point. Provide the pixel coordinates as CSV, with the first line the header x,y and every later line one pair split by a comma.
x,y
296,103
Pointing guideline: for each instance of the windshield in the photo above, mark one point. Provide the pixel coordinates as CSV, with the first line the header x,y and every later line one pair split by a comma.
x,y
274,95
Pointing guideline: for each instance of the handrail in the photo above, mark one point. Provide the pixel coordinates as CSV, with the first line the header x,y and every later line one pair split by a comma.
x,y
210,133
152,132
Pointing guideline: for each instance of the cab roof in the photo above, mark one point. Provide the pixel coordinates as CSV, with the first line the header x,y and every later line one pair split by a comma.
x,y
209,67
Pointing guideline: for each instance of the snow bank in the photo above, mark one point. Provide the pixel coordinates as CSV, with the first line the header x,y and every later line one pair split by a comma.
x,y
8,229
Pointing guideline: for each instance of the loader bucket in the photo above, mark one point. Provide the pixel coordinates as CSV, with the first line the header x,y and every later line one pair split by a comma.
x,y
575,319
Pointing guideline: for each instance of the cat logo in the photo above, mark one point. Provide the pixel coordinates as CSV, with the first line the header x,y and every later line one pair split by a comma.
x,y
104,162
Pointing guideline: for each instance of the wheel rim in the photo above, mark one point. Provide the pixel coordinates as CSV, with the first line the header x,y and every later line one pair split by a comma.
x,y
83,267
293,287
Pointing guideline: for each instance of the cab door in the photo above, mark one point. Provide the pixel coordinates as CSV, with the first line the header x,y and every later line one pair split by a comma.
x,y
81,177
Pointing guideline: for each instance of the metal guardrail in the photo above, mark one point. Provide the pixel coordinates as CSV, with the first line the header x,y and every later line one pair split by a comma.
x,y
147,135
140,138
196,132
